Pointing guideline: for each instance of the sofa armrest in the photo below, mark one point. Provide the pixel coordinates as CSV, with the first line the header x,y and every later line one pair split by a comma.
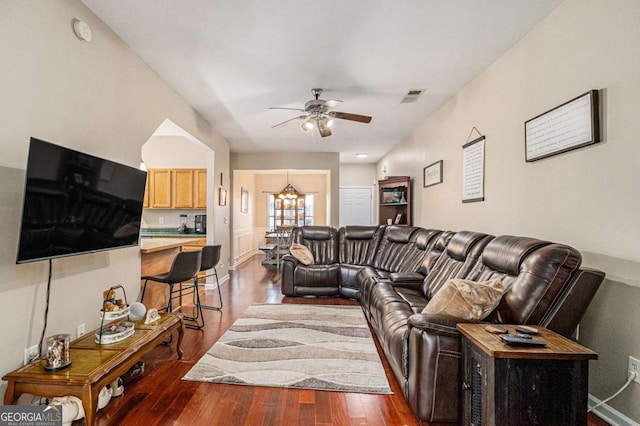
x,y
412,280
433,374
289,265
442,325
290,258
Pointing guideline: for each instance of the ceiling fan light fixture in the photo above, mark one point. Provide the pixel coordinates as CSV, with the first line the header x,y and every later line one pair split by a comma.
x,y
318,115
308,124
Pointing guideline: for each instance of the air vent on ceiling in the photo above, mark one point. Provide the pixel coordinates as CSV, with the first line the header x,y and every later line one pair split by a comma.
x,y
412,96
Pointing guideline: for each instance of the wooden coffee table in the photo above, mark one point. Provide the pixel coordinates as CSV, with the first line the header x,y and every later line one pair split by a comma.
x,y
93,366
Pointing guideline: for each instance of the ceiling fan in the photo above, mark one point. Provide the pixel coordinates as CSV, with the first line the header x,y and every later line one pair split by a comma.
x,y
318,114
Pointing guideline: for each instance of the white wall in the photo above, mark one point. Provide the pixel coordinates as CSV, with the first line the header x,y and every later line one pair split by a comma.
x,y
588,198
353,174
246,237
96,97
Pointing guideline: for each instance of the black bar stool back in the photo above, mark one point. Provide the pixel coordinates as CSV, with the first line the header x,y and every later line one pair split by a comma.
x,y
210,258
185,268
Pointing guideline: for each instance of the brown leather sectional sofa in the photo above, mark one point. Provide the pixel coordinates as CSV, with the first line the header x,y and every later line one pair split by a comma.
x,y
394,271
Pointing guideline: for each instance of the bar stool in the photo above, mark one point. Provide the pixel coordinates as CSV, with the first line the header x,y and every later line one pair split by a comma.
x,y
184,268
210,258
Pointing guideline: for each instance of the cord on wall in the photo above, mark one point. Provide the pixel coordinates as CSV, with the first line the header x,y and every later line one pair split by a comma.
x,y
46,310
632,375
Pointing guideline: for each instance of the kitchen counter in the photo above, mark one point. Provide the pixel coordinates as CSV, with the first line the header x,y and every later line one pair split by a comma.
x,y
152,245
169,233
157,255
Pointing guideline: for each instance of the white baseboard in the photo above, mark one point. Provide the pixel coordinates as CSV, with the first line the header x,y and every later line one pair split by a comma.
x,y
243,258
609,414
213,286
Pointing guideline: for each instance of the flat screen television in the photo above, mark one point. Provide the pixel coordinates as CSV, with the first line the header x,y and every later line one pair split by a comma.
x,y
76,203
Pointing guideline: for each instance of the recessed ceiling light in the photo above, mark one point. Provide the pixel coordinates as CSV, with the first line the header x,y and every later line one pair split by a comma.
x,y
363,155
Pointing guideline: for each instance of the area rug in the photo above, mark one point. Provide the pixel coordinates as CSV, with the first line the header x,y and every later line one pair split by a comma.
x,y
297,346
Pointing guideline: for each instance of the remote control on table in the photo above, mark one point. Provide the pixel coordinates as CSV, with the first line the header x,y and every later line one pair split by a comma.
x,y
496,329
522,336
526,329
518,341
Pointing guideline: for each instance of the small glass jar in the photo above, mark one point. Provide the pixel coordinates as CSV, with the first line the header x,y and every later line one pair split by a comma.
x,y
58,356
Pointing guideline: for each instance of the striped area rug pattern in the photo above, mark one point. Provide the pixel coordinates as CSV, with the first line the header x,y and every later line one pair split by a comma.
x,y
298,346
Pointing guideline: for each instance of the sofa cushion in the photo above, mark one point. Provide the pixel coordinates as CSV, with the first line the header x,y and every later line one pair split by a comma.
x,y
321,240
533,273
466,299
460,256
302,253
403,248
358,244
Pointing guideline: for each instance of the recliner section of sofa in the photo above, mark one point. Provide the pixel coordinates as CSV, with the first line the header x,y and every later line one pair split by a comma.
x,y
358,245
389,305
396,270
322,278
534,274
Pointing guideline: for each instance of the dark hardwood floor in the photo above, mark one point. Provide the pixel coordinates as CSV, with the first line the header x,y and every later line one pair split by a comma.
x,y
160,397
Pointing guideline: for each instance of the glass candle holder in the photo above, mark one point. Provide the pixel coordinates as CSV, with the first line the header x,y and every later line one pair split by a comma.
x,y
58,356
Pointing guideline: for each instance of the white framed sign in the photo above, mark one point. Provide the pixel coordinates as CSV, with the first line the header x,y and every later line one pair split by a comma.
x,y
569,126
473,171
432,174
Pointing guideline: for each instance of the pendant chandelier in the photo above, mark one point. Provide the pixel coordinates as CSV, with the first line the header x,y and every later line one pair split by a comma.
x,y
288,192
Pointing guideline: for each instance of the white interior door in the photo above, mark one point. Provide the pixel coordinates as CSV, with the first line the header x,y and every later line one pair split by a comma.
x,y
355,206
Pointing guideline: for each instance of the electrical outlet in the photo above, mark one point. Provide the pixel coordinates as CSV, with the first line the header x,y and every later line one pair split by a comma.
x,y
161,220
634,365
30,354
80,330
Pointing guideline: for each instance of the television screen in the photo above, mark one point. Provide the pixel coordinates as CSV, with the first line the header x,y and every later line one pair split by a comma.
x,y
76,203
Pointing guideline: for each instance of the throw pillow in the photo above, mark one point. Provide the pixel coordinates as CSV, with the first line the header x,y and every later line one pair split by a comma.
x,y
302,253
465,299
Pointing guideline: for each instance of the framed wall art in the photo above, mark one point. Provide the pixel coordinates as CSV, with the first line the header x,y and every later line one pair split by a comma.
x,y
473,171
244,200
432,174
222,197
570,126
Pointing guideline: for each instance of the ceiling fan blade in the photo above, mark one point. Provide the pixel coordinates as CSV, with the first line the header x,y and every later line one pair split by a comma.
x,y
292,109
291,119
324,131
348,116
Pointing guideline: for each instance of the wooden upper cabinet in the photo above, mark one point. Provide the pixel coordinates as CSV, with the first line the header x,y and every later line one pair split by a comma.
x,y
160,185
146,203
200,188
182,181
176,189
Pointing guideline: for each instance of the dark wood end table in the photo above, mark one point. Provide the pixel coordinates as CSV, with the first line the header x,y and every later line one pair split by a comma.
x,y
523,385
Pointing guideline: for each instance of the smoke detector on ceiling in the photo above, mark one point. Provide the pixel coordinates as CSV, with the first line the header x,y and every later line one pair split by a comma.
x,y
412,96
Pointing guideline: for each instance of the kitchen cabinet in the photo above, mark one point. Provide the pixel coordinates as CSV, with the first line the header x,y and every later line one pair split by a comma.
x,y
395,200
176,189
200,189
160,189
146,203
182,188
